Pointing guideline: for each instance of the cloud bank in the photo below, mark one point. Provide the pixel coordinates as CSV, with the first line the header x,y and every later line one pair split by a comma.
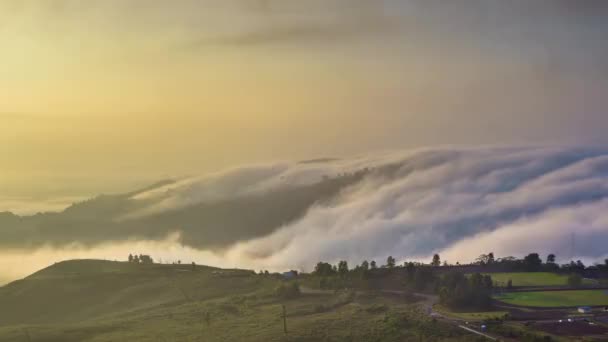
x,y
459,202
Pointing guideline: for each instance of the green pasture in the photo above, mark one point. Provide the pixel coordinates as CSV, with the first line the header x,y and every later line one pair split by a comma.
x,y
531,279
556,298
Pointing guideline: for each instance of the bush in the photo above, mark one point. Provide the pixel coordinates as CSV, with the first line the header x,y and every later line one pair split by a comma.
x,y
288,290
575,280
376,308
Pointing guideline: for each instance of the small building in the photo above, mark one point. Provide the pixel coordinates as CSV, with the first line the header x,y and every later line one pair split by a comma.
x,y
584,309
289,275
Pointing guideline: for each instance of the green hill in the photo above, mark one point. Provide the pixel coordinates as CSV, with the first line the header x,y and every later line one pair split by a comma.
x,y
92,300
88,289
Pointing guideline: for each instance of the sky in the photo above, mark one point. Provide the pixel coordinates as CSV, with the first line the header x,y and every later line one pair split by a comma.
x,y
103,96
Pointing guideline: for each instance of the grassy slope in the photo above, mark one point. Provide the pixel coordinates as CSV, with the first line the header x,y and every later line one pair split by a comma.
x,y
556,298
77,290
109,301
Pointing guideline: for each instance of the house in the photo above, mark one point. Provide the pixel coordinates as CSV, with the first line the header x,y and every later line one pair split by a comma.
x,y
584,309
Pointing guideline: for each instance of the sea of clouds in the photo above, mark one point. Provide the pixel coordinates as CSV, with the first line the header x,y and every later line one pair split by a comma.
x,y
458,202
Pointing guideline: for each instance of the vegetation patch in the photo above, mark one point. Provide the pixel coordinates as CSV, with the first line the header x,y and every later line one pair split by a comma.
x,y
471,316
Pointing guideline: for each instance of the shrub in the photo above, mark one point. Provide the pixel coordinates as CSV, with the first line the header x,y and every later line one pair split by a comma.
x,y
288,290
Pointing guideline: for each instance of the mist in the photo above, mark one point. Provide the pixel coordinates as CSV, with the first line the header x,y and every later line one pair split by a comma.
x,y
456,201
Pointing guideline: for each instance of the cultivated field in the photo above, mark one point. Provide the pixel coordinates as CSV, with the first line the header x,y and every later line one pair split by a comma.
x,y
556,298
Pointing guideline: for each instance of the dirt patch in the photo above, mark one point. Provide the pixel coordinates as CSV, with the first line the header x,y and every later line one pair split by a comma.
x,y
573,329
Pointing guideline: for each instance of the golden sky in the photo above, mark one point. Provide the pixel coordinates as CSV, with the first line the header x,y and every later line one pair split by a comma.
x,y
102,95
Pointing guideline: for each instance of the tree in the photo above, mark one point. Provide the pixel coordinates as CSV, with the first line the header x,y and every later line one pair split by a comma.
x,y
130,257
532,262
490,258
136,259
323,269
390,262
461,292
551,259
365,266
580,265
372,265
486,259
343,268
575,280
145,259
487,282
436,260
193,265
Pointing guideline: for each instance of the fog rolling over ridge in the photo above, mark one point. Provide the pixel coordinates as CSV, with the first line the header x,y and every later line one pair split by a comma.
x,y
459,202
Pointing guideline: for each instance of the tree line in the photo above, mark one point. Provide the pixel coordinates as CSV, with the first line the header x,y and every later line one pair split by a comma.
x,y
140,259
458,286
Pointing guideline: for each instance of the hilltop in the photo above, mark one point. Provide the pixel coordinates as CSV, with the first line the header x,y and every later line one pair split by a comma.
x,y
93,300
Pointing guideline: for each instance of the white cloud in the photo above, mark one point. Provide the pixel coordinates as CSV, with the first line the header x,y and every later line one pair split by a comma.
x,y
455,201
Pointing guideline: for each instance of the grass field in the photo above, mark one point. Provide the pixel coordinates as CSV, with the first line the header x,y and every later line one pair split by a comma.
x,y
107,301
530,279
556,298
